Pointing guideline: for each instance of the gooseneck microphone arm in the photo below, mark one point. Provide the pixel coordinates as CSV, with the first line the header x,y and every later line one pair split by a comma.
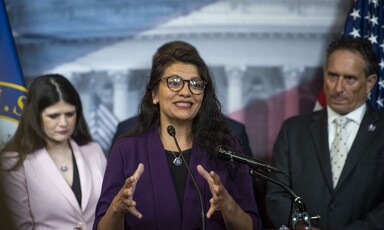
x,y
299,214
172,132
226,153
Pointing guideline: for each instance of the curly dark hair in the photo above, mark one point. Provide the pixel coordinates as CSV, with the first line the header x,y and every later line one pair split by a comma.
x,y
360,46
209,126
45,90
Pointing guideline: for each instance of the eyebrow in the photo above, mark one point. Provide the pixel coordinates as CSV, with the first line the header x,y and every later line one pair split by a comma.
x,y
51,113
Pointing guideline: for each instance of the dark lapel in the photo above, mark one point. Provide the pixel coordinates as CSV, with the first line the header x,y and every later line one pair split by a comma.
x,y
168,212
319,131
192,205
166,204
367,131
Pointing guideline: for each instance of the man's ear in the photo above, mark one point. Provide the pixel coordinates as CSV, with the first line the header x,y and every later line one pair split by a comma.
x,y
371,80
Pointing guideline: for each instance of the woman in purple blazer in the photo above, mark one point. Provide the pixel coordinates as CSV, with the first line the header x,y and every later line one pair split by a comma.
x,y
164,174
52,171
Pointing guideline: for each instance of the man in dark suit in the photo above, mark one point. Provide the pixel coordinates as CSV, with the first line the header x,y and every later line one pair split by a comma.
x,y
353,199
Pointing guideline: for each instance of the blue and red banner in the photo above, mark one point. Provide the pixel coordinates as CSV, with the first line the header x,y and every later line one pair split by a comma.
x,y
12,85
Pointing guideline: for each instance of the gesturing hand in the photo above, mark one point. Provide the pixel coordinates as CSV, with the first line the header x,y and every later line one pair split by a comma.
x,y
123,201
220,198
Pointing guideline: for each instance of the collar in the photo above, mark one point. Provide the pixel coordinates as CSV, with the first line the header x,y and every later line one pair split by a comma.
x,y
356,115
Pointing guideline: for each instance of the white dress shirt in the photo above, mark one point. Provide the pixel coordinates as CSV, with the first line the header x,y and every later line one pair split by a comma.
x,y
355,117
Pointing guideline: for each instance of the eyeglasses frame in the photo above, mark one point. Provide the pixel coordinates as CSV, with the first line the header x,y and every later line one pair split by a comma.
x,y
188,81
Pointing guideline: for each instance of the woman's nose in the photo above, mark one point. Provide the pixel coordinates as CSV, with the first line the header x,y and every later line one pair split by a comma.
x,y
63,121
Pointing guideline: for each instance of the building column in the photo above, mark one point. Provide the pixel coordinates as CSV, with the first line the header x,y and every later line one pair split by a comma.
x,y
234,76
84,90
292,77
121,99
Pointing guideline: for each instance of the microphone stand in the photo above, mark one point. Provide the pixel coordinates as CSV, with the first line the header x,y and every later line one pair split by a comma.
x,y
172,132
202,214
299,214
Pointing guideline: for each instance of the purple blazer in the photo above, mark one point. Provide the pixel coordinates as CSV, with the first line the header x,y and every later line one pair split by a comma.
x,y
155,194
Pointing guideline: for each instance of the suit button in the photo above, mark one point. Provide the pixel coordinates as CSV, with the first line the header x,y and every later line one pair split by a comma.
x,y
332,207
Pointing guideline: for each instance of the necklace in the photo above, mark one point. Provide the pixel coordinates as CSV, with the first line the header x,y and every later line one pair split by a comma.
x,y
63,167
177,161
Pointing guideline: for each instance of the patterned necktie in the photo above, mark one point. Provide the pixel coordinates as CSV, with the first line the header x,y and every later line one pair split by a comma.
x,y
339,149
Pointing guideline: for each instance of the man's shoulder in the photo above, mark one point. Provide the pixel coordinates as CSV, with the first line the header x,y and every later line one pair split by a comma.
x,y
233,123
123,126
127,122
306,118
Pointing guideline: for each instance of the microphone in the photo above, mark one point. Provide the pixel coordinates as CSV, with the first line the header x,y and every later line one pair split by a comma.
x,y
172,132
225,153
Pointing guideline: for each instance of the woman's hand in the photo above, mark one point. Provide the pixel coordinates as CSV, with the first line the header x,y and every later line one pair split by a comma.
x,y
234,216
221,199
123,201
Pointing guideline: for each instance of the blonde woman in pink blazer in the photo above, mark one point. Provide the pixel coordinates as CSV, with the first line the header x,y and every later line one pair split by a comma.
x,y
52,170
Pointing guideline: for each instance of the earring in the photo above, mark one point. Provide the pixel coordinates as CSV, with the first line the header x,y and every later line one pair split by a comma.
x,y
155,102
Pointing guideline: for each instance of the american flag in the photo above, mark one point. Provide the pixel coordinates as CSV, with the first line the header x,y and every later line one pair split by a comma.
x,y
366,21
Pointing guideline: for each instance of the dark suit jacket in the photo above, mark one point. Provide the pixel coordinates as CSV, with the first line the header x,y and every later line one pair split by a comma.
x,y
237,127
302,149
155,194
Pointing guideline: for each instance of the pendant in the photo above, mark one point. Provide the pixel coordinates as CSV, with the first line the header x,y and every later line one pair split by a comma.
x,y
177,161
64,168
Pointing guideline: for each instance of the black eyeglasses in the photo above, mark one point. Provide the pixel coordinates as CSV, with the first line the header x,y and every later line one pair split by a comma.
x,y
176,83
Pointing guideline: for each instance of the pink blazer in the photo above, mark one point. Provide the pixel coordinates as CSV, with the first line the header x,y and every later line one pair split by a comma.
x,y
40,198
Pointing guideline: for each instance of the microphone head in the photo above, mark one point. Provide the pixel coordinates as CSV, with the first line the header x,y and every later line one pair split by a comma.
x,y
223,153
171,130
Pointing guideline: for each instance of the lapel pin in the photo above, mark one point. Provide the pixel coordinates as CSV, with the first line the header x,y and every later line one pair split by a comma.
x,y
371,128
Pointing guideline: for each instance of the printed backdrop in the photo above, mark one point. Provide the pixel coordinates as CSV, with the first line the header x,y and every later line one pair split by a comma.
x,y
266,55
